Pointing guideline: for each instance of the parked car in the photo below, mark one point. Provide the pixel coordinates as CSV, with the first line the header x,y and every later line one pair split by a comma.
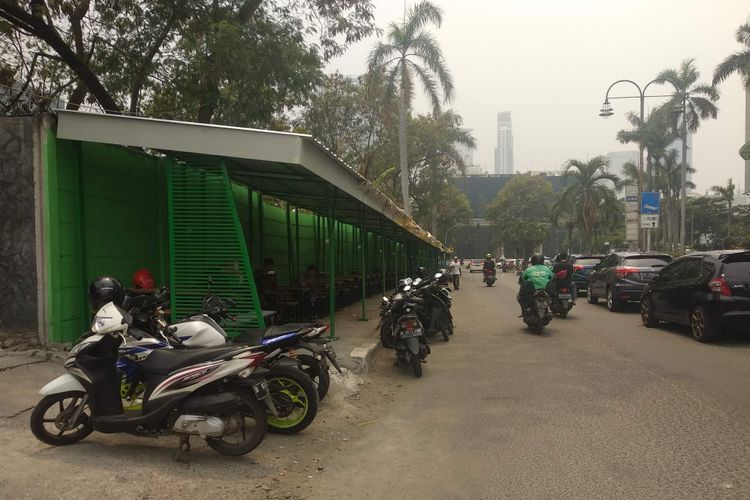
x,y
708,291
476,265
582,267
621,277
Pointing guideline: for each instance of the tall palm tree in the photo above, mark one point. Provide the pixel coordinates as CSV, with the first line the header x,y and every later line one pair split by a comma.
x,y
726,194
700,98
629,174
739,63
654,135
589,190
411,53
669,182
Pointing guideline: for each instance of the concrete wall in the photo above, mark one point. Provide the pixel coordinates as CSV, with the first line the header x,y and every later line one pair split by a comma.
x,y
18,278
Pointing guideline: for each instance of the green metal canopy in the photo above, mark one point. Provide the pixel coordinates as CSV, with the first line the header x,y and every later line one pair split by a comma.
x,y
745,151
292,167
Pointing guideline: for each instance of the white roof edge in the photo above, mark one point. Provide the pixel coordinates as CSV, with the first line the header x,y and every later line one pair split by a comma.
x,y
237,142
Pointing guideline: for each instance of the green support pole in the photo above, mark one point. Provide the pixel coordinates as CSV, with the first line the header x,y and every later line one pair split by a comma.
x,y
332,268
261,229
363,254
289,246
296,239
382,253
250,225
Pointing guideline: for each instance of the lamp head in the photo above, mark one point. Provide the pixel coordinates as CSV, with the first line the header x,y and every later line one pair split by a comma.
x,y
606,110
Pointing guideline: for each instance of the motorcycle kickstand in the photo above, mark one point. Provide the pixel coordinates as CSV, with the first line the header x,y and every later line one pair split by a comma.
x,y
183,450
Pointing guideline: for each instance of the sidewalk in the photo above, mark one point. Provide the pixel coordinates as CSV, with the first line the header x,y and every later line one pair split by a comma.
x,y
357,340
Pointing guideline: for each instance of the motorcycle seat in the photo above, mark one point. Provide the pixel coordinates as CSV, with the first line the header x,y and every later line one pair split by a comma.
x,y
254,336
165,361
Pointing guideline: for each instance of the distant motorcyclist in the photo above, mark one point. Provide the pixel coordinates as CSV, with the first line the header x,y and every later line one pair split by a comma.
x,y
563,271
536,277
489,263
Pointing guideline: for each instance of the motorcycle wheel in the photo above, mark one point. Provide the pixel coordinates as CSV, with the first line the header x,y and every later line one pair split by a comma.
x,y
51,429
317,372
537,327
563,314
295,398
416,366
252,409
444,329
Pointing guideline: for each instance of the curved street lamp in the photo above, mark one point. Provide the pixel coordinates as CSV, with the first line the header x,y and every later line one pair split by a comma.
x,y
607,111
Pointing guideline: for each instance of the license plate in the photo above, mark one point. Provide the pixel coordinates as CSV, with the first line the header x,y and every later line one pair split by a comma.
x,y
564,296
261,390
405,334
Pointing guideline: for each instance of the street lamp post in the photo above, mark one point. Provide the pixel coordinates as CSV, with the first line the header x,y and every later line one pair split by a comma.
x,y
607,111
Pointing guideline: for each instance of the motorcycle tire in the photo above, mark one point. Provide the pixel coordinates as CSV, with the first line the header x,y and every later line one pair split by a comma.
x,y
416,366
84,426
318,372
296,399
563,314
249,441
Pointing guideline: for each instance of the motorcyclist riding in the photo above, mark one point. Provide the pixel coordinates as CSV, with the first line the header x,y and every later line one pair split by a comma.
x,y
536,277
489,263
563,271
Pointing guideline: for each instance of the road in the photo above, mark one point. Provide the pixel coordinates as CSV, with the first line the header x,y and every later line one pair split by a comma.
x,y
596,407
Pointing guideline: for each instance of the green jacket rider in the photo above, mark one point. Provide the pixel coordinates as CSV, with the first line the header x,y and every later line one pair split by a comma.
x,y
539,275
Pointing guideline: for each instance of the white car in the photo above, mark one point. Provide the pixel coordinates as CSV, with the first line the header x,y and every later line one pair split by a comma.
x,y
476,265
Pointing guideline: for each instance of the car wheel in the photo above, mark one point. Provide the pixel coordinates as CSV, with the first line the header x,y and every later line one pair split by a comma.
x,y
647,314
612,303
701,326
591,298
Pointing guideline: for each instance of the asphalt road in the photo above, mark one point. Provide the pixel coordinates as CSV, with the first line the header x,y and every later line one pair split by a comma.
x,y
596,407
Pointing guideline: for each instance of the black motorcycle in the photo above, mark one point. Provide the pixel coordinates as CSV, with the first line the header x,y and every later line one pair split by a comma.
x,y
401,329
433,303
538,314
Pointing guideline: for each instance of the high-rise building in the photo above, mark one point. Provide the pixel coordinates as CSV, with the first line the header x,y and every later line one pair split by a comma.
x,y
504,149
466,153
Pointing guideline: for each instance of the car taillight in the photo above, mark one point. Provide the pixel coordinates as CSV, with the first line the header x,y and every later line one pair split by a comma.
x,y
623,272
578,267
720,286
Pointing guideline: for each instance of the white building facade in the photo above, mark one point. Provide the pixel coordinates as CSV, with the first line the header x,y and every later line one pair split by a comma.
x,y
504,149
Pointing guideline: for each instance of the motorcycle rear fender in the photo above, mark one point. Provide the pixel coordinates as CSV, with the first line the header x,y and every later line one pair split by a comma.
x,y
285,361
63,383
412,343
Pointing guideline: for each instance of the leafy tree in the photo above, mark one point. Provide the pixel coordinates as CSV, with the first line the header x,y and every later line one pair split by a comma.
x,y
352,117
700,98
726,195
669,183
230,61
589,194
653,136
452,209
739,62
520,213
705,222
411,53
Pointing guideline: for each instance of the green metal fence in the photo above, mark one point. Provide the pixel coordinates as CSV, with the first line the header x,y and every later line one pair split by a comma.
x,y
207,246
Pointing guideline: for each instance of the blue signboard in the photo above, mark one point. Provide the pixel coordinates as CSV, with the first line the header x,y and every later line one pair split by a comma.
x,y
649,203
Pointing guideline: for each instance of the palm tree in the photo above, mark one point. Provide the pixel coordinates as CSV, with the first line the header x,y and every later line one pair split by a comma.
x,y
629,174
410,52
726,194
669,182
654,135
589,190
739,63
700,99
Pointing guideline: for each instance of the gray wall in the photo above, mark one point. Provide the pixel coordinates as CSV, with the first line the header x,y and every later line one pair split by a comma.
x,y
18,279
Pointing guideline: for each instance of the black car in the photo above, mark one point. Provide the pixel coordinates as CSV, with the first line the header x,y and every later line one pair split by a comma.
x,y
582,267
621,277
707,290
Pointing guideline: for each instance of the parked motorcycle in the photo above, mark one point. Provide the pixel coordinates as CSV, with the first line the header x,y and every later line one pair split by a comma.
x,y
489,277
401,329
210,393
538,314
294,394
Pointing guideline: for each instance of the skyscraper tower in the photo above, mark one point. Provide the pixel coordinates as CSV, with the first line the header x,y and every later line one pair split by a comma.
x,y
504,149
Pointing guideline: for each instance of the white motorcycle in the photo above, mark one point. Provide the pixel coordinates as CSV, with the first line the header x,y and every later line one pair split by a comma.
x,y
216,393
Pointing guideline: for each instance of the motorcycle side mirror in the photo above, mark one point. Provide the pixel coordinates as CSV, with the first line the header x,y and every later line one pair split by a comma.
x,y
408,281
407,288
417,281
438,275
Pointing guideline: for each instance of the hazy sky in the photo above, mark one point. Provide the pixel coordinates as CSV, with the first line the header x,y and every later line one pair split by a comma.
x,y
550,62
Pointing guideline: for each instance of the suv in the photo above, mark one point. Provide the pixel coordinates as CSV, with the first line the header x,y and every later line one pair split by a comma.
x,y
706,290
582,267
621,277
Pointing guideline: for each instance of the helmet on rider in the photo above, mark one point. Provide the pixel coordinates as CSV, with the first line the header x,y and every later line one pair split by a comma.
x,y
537,259
143,279
489,256
103,290
561,257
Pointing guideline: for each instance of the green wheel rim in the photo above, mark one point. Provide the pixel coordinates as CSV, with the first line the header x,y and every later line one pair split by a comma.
x,y
291,393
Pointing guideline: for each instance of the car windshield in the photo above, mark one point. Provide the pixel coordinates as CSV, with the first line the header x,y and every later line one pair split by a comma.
x,y
647,261
588,262
737,268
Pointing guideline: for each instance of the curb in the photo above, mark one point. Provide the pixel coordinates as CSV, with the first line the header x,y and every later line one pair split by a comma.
x,y
361,357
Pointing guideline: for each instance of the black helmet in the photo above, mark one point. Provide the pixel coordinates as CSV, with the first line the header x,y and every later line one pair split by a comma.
x,y
105,289
537,259
561,257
